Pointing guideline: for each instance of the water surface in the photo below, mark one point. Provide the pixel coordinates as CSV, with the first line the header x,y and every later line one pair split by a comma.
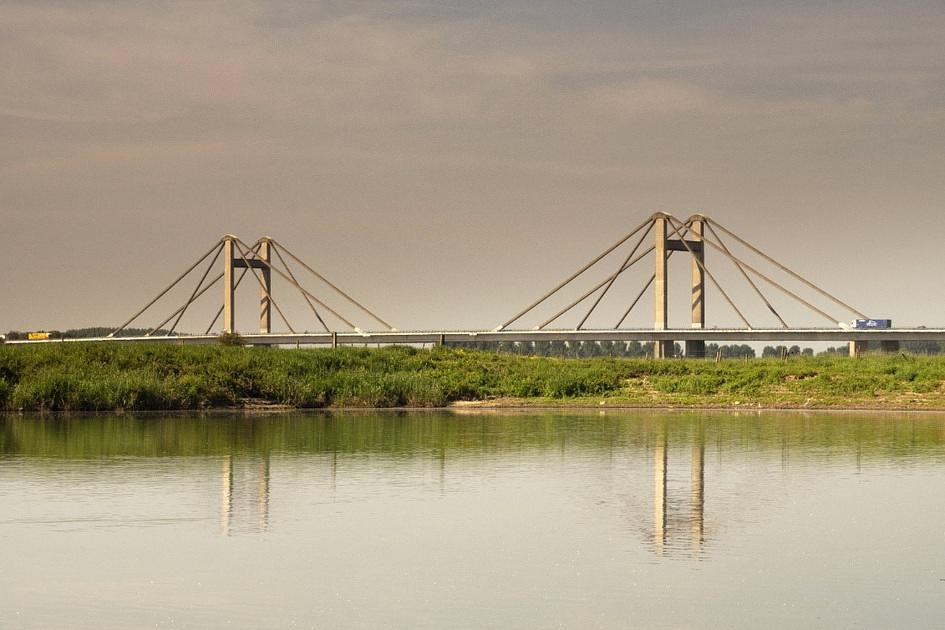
x,y
437,520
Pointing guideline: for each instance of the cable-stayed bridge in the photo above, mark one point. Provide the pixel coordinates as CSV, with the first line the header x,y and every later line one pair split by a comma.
x,y
656,240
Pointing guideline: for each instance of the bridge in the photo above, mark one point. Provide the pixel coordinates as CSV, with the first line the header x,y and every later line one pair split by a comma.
x,y
335,311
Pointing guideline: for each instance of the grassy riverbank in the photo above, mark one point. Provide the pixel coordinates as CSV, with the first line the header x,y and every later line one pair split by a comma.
x,y
78,377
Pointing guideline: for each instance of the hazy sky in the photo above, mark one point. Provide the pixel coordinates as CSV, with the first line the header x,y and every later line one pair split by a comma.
x,y
448,161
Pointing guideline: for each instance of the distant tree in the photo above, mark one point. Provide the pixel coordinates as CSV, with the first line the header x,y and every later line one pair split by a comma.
x,y
558,349
922,347
507,347
732,351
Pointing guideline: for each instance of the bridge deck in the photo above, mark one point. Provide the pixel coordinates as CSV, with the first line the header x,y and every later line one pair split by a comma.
x,y
451,336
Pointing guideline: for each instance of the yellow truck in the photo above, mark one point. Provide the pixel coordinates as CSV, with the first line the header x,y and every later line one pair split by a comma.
x,y
37,336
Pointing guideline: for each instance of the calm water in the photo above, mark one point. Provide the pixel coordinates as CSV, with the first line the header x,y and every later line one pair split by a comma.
x,y
481,520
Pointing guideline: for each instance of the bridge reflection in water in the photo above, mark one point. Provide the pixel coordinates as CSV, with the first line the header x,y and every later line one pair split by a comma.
x,y
245,492
646,470
244,499
663,523
246,480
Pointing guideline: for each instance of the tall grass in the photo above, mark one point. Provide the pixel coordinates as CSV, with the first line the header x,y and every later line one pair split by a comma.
x,y
75,376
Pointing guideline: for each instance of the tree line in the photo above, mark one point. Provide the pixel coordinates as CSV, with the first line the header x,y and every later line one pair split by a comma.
x,y
86,333
631,349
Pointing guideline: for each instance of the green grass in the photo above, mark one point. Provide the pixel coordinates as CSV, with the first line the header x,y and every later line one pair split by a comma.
x,y
98,377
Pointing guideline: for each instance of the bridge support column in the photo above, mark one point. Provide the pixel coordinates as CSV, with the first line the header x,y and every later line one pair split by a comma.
x,y
858,348
265,291
661,349
696,348
228,312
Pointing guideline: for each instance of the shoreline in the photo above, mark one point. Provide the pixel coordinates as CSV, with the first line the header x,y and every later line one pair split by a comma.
x,y
473,407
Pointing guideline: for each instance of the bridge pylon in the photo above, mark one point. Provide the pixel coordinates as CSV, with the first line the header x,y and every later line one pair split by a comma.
x,y
692,236
260,264
239,260
664,244
235,257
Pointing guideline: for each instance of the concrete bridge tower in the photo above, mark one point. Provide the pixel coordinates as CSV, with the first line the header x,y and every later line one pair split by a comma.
x,y
663,246
235,258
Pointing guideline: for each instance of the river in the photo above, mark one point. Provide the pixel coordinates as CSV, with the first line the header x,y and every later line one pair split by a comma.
x,y
473,520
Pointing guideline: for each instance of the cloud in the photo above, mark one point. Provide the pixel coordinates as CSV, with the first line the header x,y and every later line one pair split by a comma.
x,y
411,117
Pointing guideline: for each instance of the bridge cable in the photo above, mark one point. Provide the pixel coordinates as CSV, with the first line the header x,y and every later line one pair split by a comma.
x,y
236,285
333,286
298,286
682,239
577,273
180,309
642,291
772,282
613,278
747,277
639,295
261,283
315,299
192,297
789,271
591,292
169,287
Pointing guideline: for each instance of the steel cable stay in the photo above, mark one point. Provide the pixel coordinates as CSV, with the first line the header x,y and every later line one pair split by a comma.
x,y
192,297
639,295
613,278
773,283
594,289
350,299
298,286
746,276
181,308
784,268
166,289
648,224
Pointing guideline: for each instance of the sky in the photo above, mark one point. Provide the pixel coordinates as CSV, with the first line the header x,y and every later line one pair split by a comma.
x,y
448,162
